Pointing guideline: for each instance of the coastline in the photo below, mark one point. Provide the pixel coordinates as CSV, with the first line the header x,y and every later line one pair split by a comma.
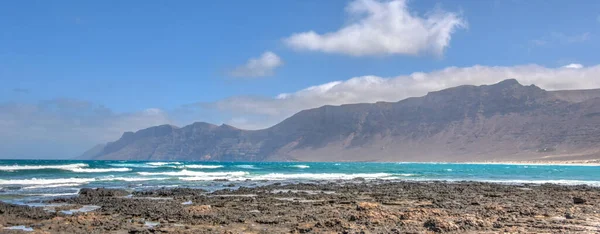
x,y
351,207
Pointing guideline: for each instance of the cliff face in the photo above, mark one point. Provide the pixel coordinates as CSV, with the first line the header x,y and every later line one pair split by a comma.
x,y
504,121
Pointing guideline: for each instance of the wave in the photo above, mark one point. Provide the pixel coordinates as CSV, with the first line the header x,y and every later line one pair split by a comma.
x,y
210,178
247,167
203,166
42,167
52,194
195,173
320,176
300,166
131,179
35,181
53,186
163,163
129,165
99,170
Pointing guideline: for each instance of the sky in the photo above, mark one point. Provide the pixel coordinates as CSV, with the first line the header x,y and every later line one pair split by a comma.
x,y
74,74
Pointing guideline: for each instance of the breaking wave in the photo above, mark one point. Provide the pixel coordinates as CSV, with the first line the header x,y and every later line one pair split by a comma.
x,y
35,181
203,166
42,167
195,173
99,170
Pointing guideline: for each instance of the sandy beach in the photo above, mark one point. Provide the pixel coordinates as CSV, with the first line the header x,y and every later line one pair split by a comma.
x,y
351,207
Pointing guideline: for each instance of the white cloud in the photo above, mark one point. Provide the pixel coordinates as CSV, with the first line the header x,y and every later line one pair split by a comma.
x,y
267,111
66,127
384,28
574,66
258,67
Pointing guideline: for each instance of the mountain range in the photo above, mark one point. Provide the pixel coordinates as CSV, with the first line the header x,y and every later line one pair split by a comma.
x,y
506,121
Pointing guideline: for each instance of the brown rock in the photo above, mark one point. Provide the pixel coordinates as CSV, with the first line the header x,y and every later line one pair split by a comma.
x,y
366,206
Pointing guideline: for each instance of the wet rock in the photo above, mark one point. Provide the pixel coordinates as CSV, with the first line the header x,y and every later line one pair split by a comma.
x,y
578,200
361,179
102,192
175,192
19,211
569,216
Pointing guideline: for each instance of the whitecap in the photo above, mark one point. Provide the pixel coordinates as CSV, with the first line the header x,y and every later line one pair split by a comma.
x,y
203,166
130,179
136,165
53,186
35,181
52,194
41,167
300,166
211,178
195,173
162,163
320,176
99,170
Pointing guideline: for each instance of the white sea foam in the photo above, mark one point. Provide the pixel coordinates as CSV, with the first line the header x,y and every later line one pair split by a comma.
x,y
203,166
19,228
41,167
53,186
131,179
163,163
320,176
35,181
195,173
135,165
53,194
99,170
300,166
210,178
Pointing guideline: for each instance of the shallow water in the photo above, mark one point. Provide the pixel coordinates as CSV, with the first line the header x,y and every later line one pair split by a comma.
x,y
31,180
20,228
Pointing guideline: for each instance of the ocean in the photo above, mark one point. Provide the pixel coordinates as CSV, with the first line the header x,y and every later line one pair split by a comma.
x,y
22,181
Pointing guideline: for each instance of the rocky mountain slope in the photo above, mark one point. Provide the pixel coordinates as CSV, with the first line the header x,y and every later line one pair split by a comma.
x,y
503,121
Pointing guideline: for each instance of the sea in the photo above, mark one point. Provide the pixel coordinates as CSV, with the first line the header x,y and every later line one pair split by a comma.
x,y
23,181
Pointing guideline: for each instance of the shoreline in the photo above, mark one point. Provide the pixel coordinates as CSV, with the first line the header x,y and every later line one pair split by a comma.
x,y
369,206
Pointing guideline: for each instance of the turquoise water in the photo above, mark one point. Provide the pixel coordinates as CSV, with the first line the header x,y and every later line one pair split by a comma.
x,y
28,180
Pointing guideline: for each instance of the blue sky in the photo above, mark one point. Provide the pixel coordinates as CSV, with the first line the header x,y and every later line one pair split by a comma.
x,y
77,73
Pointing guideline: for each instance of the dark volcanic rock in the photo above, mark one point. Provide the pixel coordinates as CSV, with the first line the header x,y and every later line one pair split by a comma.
x,y
504,121
370,207
578,200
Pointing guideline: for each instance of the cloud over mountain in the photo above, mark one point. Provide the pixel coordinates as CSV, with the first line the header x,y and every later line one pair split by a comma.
x,y
384,28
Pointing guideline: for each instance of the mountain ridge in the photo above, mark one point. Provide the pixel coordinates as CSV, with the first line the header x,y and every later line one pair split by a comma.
x,y
502,121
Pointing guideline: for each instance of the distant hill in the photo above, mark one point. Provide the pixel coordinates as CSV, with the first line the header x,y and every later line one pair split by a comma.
x,y
504,121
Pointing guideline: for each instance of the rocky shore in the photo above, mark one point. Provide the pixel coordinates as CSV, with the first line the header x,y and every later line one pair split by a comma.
x,y
357,207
